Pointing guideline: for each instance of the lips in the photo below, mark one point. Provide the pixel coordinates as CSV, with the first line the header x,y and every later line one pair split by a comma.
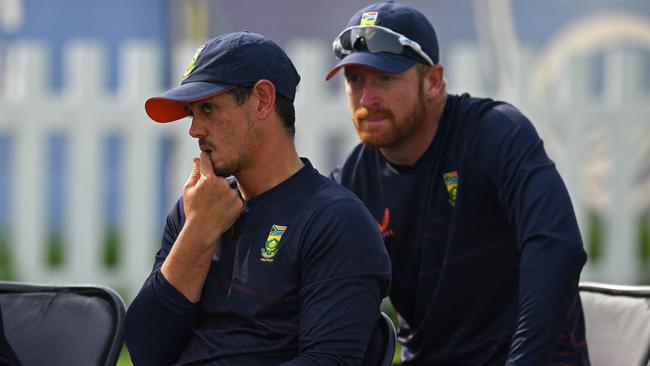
x,y
206,145
361,113
375,118
366,115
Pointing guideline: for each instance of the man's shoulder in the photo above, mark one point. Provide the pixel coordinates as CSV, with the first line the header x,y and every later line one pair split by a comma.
x,y
481,125
486,110
505,124
333,195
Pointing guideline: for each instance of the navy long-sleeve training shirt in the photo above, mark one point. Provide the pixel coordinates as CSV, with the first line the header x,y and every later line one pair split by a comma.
x,y
7,355
485,248
297,280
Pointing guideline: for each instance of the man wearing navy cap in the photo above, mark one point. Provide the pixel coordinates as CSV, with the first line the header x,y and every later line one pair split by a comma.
x,y
277,265
485,248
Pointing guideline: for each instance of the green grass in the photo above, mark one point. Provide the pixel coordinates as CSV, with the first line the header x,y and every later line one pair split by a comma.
x,y
125,359
111,252
595,236
387,307
644,247
56,250
644,237
396,357
6,268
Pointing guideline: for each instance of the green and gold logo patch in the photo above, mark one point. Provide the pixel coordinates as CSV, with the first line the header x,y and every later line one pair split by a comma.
x,y
192,64
369,18
451,181
271,246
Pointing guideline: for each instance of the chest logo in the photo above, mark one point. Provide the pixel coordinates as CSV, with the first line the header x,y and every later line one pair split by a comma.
x,y
451,181
272,242
383,225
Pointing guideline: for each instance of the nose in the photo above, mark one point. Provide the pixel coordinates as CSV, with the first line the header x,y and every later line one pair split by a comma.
x,y
197,128
368,94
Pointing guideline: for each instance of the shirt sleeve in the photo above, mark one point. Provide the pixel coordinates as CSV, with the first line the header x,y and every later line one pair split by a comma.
x,y
345,274
159,320
7,355
539,208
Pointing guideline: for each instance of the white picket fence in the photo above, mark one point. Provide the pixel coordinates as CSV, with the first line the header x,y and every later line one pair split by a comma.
x,y
582,131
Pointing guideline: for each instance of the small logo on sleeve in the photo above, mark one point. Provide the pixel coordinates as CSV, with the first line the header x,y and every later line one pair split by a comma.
x,y
272,242
451,181
369,18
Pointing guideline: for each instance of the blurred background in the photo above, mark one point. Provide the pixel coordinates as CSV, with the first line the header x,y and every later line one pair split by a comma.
x,y
86,179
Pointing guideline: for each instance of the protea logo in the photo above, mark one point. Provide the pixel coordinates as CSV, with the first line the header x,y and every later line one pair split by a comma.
x,y
271,246
451,181
192,64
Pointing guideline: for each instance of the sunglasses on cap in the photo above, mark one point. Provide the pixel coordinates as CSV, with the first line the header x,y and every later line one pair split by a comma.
x,y
375,39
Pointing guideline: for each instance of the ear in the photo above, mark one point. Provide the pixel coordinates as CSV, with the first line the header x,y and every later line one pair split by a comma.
x,y
264,92
434,81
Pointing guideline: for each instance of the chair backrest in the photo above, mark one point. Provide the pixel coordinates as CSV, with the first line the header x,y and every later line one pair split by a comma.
x,y
62,324
617,321
381,346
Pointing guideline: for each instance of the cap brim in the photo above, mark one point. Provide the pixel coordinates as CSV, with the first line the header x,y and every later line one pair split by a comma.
x,y
170,106
382,61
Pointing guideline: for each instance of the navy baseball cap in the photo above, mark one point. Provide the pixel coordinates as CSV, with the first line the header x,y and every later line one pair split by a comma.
x,y
224,62
401,19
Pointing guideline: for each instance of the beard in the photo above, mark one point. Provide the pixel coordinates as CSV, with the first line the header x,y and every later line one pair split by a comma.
x,y
220,169
227,170
233,157
397,130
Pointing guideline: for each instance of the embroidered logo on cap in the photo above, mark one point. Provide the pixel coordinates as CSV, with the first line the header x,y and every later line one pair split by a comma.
x,y
369,18
451,181
272,241
192,64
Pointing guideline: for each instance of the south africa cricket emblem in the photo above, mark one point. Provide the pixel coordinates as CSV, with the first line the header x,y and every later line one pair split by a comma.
x,y
271,246
192,63
451,181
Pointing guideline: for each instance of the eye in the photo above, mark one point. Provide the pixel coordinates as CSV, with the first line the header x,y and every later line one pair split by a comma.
x,y
386,77
353,78
188,110
207,108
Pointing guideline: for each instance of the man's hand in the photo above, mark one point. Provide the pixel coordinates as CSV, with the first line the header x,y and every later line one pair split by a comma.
x,y
211,206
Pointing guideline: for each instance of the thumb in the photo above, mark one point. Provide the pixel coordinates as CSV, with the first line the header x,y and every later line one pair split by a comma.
x,y
195,174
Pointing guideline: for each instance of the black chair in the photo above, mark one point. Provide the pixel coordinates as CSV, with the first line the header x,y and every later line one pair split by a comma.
x,y
62,325
617,320
382,343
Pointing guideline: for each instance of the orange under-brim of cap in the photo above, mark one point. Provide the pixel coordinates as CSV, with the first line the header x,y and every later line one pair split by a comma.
x,y
339,67
165,110
381,61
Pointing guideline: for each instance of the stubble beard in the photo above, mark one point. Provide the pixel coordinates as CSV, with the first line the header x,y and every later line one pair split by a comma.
x,y
232,167
227,170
